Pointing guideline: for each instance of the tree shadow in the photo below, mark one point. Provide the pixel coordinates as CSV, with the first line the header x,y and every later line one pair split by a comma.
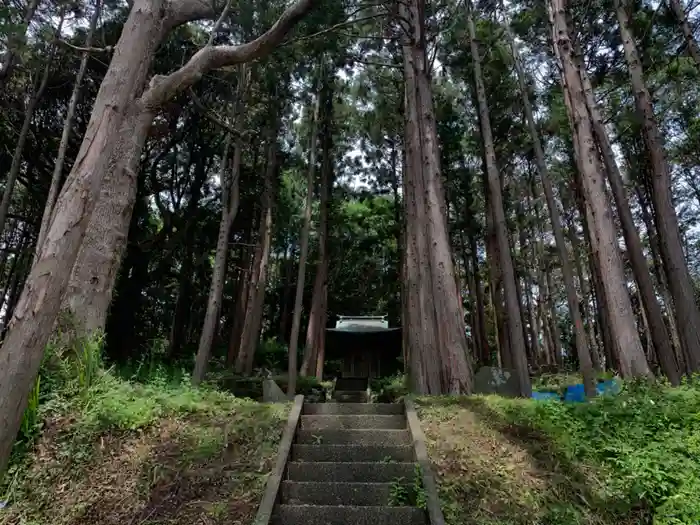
x,y
570,491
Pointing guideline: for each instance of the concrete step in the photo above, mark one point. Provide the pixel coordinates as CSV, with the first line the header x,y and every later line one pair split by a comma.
x,y
354,437
350,396
346,515
348,471
352,453
343,493
353,408
319,422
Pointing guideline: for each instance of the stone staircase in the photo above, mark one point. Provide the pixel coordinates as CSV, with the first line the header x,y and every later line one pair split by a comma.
x,y
350,463
351,390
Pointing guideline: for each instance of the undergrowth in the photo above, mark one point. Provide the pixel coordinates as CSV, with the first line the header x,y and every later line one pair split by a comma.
x,y
631,458
97,448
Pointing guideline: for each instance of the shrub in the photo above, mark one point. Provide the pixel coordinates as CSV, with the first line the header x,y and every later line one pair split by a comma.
x,y
390,389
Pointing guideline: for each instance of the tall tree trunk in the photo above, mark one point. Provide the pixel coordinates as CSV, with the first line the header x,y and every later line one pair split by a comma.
x,y
640,268
532,311
230,199
395,304
554,319
682,17
286,290
183,303
102,250
522,278
632,359
316,330
303,254
681,284
513,317
34,100
654,316
123,334
438,351
94,274
105,140
582,349
65,136
580,253
474,278
253,317
241,305
662,286
480,303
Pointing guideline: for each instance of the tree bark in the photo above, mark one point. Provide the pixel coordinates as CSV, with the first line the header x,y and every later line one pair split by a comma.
x,y
682,18
640,268
438,352
632,359
124,336
240,307
680,282
496,285
513,318
65,136
658,271
102,251
316,331
480,311
303,254
253,317
40,301
582,349
286,292
230,199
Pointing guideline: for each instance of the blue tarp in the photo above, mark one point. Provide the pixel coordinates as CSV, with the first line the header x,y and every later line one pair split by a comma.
x,y
576,393
545,395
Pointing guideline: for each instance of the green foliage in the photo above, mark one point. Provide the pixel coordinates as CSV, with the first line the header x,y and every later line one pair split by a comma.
x,y
398,493
418,488
70,368
559,382
89,416
635,453
403,492
272,354
30,418
389,389
363,234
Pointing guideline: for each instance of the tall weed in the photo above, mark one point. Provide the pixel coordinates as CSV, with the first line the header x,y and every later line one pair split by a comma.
x,y
646,442
30,418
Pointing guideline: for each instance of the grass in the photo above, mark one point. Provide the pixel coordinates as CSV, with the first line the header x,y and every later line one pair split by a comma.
x,y
101,449
628,459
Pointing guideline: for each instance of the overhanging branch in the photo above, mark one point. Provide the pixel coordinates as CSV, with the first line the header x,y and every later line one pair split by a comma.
x,y
163,88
